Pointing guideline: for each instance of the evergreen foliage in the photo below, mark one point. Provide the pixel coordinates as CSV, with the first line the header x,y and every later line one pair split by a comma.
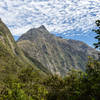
x,y
97,31
76,85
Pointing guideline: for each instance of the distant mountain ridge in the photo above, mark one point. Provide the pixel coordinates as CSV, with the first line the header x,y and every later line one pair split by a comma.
x,y
58,55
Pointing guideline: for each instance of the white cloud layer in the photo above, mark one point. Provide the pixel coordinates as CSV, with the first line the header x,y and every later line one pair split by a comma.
x,y
59,16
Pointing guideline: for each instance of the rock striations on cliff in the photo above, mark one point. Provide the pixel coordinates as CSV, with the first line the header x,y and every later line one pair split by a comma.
x,y
58,55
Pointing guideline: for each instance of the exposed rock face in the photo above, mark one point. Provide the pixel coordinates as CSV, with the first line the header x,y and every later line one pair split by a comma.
x,y
56,54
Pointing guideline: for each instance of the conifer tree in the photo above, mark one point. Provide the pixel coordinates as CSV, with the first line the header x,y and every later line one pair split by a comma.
x,y
97,31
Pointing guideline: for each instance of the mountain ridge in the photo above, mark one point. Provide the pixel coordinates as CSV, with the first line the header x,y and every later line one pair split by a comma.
x,y
43,51
58,55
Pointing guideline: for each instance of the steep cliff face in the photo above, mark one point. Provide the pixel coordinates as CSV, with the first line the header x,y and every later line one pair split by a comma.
x,y
56,54
12,59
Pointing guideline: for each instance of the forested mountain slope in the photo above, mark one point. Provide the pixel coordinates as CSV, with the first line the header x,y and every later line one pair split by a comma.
x,y
12,59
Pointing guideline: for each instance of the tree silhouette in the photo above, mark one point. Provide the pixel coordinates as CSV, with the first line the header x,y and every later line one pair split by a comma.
x,y
97,31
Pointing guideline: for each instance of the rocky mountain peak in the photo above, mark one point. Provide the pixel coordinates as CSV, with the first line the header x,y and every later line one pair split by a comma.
x,y
33,33
58,55
42,27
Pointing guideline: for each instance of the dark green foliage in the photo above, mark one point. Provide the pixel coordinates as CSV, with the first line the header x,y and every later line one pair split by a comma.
x,y
93,72
26,87
32,83
55,86
13,91
76,85
97,31
63,88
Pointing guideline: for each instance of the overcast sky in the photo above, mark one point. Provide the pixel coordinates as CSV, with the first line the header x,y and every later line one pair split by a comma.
x,y
68,18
